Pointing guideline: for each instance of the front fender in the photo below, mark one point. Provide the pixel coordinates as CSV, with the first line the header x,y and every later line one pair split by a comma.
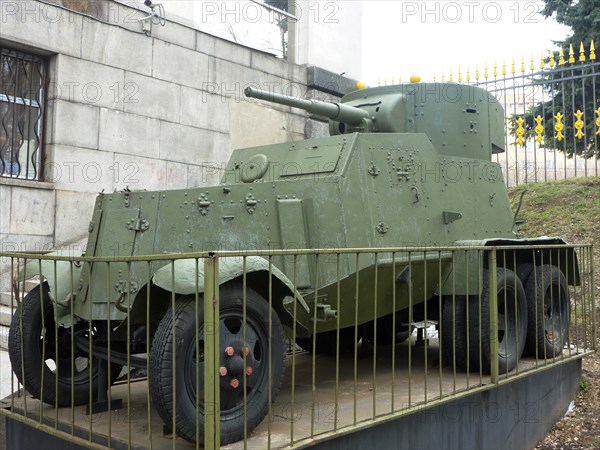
x,y
188,274
62,278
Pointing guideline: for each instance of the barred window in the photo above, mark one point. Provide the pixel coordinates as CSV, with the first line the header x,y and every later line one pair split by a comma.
x,y
22,90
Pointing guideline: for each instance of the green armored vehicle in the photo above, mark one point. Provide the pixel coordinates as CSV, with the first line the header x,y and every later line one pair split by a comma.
x,y
407,165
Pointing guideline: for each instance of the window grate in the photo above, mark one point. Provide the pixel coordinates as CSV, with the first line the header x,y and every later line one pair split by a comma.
x,y
22,93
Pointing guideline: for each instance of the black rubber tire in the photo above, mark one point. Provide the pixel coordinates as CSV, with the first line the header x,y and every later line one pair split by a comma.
x,y
454,331
511,340
26,353
547,294
231,334
523,271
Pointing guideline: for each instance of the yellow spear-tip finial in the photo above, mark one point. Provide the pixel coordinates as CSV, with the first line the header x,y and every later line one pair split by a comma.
x,y
495,69
512,67
378,81
485,71
434,78
459,76
451,79
542,62
443,77
503,67
571,54
532,64
468,77
361,85
551,62
561,56
399,78
592,51
581,52
522,63
385,81
476,72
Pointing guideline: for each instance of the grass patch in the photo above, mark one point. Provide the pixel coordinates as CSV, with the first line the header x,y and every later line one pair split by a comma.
x,y
567,208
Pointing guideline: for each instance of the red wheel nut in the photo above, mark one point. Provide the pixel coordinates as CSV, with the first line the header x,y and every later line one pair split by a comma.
x,y
234,383
249,370
222,371
229,351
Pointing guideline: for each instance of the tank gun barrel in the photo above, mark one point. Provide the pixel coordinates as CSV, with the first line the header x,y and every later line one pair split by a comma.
x,y
334,111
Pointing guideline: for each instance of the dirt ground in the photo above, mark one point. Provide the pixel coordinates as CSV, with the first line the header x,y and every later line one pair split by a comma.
x,y
580,429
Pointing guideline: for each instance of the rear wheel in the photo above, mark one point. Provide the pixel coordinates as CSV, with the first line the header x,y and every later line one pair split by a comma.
x,y
39,351
512,322
548,307
181,329
454,331
523,271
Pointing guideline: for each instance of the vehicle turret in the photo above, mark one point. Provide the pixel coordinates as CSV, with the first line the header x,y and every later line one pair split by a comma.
x,y
460,120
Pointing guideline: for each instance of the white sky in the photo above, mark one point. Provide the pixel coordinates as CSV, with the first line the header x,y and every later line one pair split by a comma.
x,y
423,37
401,37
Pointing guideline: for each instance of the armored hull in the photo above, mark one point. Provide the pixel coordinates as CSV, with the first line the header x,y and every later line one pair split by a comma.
x,y
405,166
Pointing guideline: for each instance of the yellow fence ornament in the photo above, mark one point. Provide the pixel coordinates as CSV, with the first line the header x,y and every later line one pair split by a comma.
x,y
559,127
579,123
520,131
539,129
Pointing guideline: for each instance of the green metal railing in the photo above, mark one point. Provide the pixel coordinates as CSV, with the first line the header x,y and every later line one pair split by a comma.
x,y
306,364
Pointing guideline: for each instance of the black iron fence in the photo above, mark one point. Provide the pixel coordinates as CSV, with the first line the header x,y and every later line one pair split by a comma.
x,y
552,111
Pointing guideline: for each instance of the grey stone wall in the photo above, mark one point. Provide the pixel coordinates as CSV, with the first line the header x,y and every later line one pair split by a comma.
x,y
125,109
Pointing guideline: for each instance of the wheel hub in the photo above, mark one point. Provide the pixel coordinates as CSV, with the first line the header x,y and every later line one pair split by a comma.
x,y
235,365
232,368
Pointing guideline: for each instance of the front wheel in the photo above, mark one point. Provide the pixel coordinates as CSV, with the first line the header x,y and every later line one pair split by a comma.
x,y
183,331
43,357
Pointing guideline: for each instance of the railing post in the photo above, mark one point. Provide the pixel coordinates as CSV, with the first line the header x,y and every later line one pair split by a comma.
x,y
493,282
212,410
